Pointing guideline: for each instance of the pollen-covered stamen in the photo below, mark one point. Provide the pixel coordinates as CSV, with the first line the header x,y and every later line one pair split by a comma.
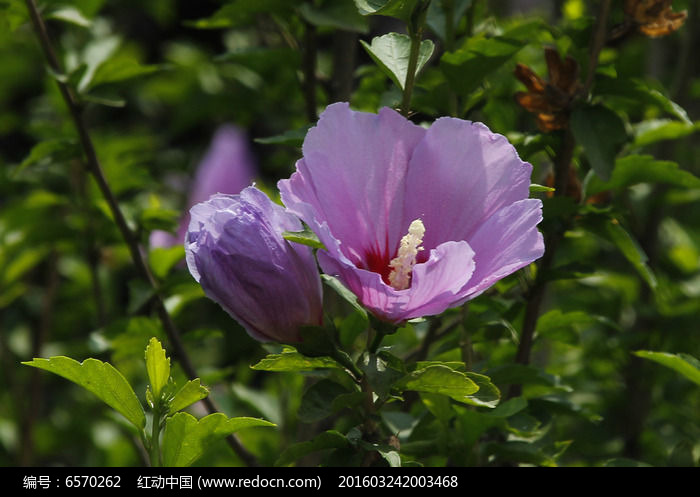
x,y
402,265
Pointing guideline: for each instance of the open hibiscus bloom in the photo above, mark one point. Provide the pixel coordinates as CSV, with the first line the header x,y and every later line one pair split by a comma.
x,y
414,221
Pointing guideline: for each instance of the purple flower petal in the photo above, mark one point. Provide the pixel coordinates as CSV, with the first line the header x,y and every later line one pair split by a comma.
x,y
365,178
236,251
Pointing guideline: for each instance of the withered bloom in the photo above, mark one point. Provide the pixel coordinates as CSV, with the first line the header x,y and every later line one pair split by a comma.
x,y
654,18
550,100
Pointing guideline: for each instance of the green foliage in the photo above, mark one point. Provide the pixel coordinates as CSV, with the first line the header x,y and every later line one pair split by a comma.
x,y
186,438
601,133
391,53
685,364
154,80
100,378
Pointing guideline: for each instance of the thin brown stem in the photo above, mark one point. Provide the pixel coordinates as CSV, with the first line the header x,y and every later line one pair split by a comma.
x,y
562,164
40,336
137,257
599,38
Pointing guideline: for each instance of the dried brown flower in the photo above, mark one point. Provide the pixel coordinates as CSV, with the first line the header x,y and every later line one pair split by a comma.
x,y
550,100
654,18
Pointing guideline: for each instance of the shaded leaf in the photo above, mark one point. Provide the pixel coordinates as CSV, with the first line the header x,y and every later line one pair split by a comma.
x,y
100,378
466,68
53,150
317,401
327,440
629,247
294,137
338,15
602,133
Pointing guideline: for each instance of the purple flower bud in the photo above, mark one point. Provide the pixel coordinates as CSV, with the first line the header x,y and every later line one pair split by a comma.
x,y
227,167
235,250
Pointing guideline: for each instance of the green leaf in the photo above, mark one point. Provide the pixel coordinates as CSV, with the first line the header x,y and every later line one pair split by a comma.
x,y
103,99
294,137
346,294
684,364
400,9
562,326
241,12
305,237
621,462
521,374
100,378
639,92
14,14
189,394
53,150
602,133
629,247
488,394
118,68
291,360
442,380
509,408
327,440
186,438
380,376
535,188
635,169
337,15
467,67
71,15
317,401
162,259
656,130
392,51
157,366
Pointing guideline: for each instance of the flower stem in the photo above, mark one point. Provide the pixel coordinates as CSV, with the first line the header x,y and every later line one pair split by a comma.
x,y
154,452
137,257
416,38
562,163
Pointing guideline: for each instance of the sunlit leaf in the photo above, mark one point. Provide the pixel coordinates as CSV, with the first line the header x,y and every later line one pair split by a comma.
x,y
185,438
190,393
157,366
391,53
684,364
100,378
635,169
294,361
442,380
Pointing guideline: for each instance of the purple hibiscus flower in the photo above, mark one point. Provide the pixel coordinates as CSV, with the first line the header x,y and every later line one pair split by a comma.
x,y
235,250
414,220
227,167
